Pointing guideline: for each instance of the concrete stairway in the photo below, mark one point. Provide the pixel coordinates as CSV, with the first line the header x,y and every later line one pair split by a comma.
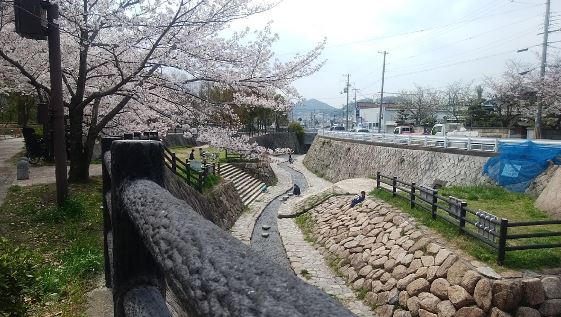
x,y
247,187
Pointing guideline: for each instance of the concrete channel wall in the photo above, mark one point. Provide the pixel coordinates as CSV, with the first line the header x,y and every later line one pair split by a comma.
x,y
337,160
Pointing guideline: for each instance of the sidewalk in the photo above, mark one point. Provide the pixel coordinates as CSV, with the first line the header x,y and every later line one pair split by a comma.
x,y
305,259
8,148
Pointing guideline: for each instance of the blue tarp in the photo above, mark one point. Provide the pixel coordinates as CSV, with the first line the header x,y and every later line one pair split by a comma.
x,y
517,165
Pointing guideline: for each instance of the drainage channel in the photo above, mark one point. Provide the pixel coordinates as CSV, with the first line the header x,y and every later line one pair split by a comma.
x,y
265,237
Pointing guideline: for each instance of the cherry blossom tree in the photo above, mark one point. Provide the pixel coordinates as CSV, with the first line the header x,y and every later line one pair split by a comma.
x,y
138,64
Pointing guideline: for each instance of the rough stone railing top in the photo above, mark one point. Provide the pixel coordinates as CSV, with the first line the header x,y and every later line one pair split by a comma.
x,y
159,240
214,274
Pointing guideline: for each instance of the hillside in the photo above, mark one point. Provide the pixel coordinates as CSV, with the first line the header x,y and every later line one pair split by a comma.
x,y
314,105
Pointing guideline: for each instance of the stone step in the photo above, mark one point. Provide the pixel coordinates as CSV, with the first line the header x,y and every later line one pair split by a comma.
x,y
234,174
242,183
247,187
250,187
228,171
252,198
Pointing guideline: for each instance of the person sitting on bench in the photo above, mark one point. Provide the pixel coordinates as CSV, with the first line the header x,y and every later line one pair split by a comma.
x,y
358,199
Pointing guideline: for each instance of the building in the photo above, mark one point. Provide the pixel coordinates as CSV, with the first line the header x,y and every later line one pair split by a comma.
x,y
368,115
369,112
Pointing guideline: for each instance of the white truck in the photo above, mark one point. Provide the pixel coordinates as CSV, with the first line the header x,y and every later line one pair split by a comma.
x,y
452,129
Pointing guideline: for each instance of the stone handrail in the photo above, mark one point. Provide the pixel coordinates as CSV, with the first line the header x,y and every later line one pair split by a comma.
x,y
154,241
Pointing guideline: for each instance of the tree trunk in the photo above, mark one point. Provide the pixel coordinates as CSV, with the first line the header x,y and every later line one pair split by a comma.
x,y
79,161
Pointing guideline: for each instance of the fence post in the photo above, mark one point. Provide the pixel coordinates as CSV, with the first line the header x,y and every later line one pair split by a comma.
x,y
434,203
394,186
107,227
469,144
132,262
426,140
445,142
218,166
462,215
502,241
173,163
213,168
188,168
412,195
200,182
378,179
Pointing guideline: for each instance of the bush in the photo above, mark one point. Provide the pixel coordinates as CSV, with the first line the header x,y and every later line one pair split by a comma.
x,y
298,129
18,271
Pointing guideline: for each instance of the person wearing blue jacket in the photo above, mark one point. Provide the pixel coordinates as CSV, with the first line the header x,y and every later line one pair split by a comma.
x,y
357,200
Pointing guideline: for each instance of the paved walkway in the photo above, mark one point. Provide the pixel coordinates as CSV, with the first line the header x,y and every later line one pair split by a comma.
x,y
306,260
243,228
8,148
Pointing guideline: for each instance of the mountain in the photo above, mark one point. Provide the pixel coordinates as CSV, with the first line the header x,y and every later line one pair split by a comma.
x,y
314,105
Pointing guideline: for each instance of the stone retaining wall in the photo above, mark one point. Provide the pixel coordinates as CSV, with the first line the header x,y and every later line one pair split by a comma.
x,y
406,271
280,140
337,160
260,170
221,205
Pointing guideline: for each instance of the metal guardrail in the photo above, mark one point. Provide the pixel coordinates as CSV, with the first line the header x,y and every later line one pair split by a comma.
x,y
478,224
447,142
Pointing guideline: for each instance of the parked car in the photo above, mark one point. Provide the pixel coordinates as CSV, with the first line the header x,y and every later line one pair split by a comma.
x,y
406,129
337,128
452,129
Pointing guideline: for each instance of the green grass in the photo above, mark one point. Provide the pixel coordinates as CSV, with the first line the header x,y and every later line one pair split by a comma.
x,y
305,274
306,223
498,201
361,293
48,255
183,152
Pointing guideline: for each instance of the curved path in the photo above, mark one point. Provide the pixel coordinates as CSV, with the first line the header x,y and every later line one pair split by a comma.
x,y
268,241
305,259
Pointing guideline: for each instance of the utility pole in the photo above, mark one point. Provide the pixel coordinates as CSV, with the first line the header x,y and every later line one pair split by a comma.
x,y
538,124
30,23
56,103
347,91
356,108
382,93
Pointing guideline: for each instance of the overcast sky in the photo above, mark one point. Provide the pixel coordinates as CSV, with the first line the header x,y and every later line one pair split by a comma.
x,y
429,42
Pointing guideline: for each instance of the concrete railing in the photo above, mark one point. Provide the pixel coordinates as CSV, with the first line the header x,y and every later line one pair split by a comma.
x,y
451,142
154,242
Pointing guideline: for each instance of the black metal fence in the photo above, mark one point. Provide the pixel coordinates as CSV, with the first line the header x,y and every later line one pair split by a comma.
x,y
156,244
478,224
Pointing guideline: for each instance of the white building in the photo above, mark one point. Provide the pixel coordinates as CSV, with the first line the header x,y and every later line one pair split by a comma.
x,y
368,115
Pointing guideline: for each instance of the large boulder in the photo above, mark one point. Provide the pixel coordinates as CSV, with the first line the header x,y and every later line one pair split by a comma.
x,y
483,294
550,198
533,291
506,295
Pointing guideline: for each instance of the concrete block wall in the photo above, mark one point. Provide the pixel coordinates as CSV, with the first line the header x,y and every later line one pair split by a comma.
x,y
337,160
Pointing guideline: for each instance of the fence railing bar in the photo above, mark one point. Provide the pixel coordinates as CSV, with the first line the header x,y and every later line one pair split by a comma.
x,y
533,246
481,238
534,235
534,223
